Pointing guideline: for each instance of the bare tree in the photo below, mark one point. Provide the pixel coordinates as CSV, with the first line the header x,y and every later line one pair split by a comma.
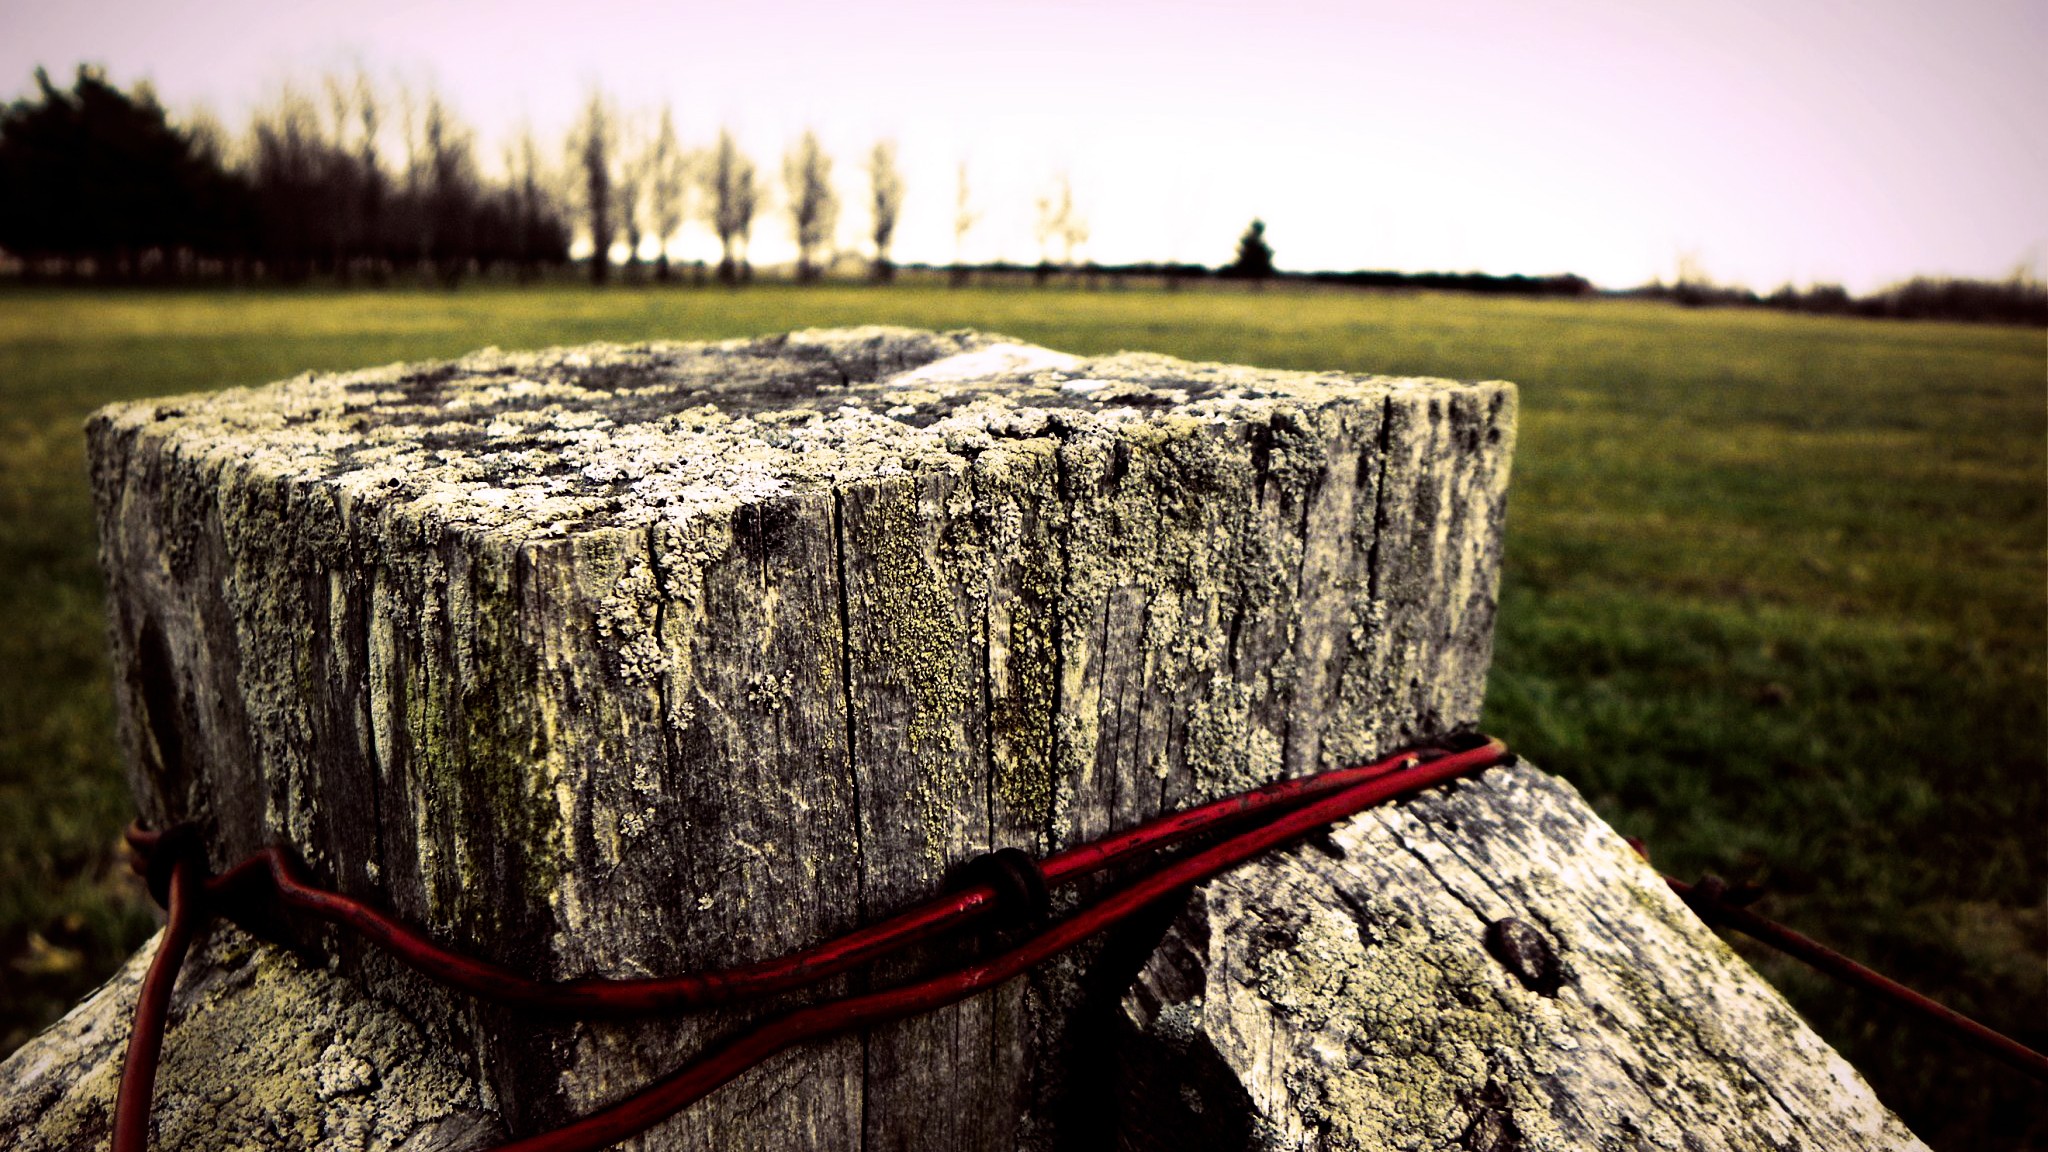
x,y
452,191
634,152
735,193
1045,228
886,185
1060,222
209,137
1073,228
533,212
813,208
218,245
290,170
964,220
409,232
667,174
371,192
592,145
343,175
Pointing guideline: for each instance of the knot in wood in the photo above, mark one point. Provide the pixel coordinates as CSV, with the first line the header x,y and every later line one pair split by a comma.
x,y
1493,1127
1527,953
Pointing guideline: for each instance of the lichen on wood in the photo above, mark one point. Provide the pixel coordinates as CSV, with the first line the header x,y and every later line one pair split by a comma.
x,y
631,660
636,659
1485,967
266,1054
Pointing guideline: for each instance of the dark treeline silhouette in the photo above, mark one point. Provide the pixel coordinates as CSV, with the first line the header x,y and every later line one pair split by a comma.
x,y
2019,299
355,186
96,182
97,178
1476,282
1173,273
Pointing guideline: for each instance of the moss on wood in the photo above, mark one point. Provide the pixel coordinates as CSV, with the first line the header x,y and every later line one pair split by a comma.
x,y
630,659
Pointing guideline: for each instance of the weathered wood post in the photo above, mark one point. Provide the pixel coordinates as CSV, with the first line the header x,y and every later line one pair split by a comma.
x,y
627,661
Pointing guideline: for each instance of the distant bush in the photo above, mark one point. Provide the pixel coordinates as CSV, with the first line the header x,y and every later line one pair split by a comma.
x,y
1254,256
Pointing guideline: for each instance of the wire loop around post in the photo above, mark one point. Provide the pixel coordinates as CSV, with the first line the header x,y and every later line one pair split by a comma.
x,y
1022,895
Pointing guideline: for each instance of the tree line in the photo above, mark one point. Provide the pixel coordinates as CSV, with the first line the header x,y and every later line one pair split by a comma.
x,y
2020,298
99,182
355,183
352,182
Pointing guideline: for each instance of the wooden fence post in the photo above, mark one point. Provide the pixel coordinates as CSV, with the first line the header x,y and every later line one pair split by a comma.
x,y
634,660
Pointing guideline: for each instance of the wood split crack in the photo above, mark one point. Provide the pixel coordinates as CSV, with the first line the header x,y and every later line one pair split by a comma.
x,y
1055,750
666,669
839,561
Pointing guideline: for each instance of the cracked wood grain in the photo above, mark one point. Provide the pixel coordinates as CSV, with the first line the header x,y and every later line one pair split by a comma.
x,y
268,1052
628,660
1351,993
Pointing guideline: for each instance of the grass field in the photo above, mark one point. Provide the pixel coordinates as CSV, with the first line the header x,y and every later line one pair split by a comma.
x,y
1776,595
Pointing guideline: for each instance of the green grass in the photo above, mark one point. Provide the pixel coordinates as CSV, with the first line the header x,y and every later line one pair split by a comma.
x,y
1774,596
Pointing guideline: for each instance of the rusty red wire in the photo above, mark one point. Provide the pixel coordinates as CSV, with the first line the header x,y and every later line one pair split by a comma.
x,y
1705,899
1289,809
275,869
1302,805
152,1009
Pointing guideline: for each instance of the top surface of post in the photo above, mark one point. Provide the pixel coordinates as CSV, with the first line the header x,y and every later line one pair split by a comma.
x,y
552,443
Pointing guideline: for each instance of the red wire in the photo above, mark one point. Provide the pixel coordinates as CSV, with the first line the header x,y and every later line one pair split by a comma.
x,y
1328,796
695,1080
1315,801
152,1010
275,870
1817,955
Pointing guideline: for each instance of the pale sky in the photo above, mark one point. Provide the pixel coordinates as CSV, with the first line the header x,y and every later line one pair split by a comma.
x,y
1798,140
